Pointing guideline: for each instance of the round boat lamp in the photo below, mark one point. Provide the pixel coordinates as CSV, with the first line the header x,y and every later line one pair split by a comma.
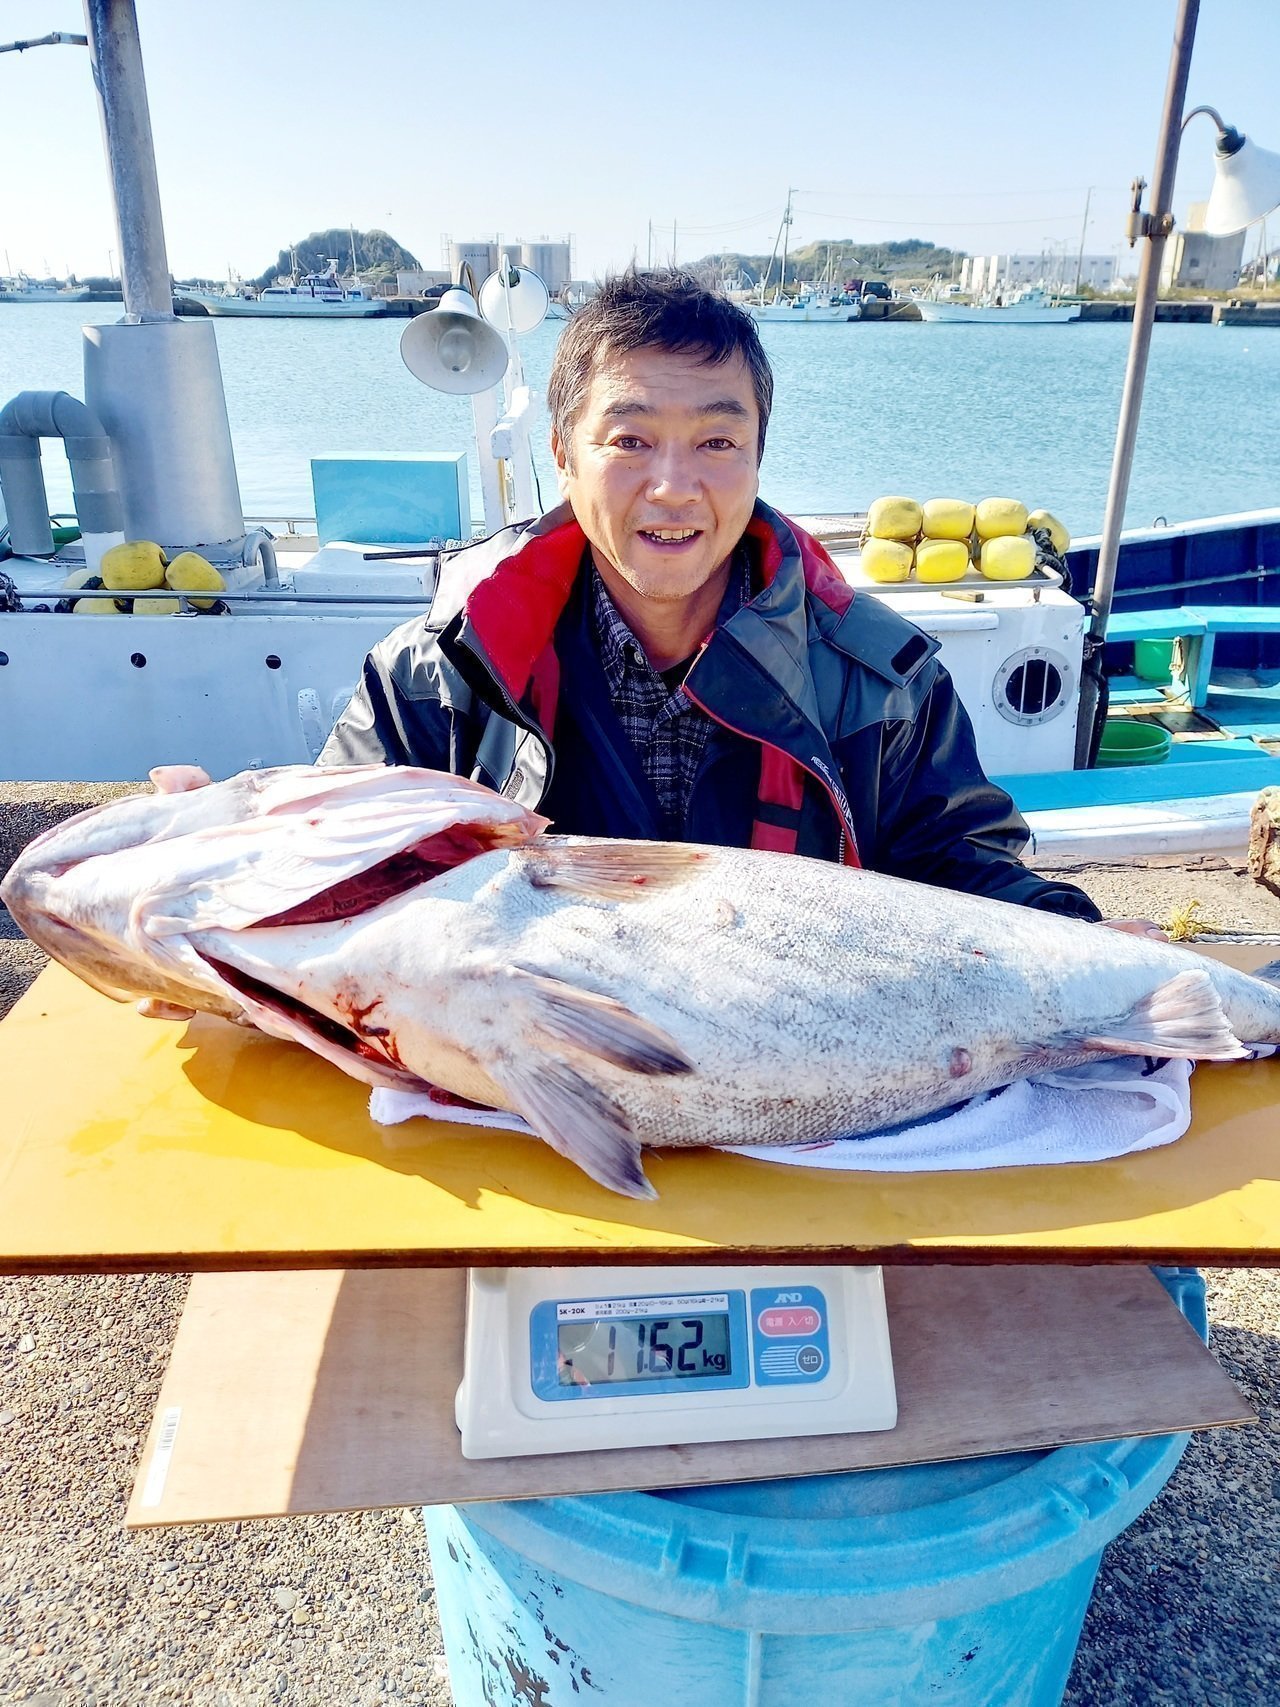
x,y
451,349
1246,184
517,293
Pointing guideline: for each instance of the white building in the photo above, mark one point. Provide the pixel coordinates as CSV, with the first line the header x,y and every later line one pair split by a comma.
x,y
1054,269
1193,258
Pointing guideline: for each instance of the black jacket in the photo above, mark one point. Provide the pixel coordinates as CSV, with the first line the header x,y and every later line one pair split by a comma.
x,y
838,733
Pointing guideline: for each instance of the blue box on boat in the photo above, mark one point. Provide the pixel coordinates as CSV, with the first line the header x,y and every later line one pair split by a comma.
x,y
392,497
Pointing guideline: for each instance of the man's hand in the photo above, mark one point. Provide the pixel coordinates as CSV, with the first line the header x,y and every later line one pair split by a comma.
x,y
172,779
1136,927
179,779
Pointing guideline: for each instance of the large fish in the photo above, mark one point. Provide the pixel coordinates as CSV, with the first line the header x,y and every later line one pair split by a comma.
x,y
417,929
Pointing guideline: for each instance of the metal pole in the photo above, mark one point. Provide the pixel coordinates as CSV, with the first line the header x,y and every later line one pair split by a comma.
x,y
1155,228
116,57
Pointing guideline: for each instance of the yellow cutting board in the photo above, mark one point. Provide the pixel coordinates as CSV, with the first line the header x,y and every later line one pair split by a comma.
x,y
138,1144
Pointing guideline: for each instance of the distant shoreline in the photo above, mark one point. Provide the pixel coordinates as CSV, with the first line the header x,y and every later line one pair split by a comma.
x,y
1205,311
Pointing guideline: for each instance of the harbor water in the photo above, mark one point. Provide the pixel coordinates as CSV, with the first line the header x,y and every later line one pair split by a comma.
x,y
862,410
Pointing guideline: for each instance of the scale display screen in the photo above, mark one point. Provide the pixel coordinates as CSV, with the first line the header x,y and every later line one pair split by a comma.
x,y
645,1348
587,1359
583,1348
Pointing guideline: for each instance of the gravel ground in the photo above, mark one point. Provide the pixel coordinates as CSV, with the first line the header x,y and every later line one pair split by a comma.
x,y
339,1611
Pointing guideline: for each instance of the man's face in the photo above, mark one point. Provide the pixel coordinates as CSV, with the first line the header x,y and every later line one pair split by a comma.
x,y
662,473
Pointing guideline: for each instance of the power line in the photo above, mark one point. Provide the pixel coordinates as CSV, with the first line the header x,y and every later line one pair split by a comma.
x,y
924,219
965,195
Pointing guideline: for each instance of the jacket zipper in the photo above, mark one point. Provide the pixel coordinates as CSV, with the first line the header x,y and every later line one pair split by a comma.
x,y
516,716
816,775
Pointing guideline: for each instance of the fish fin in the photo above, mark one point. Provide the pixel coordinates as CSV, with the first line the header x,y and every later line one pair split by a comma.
x,y
599,1025
1182,1017
579,1121
612,871
1269,974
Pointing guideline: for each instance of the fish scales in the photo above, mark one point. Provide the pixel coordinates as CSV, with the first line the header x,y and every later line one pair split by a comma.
x,y
615,994
815,1002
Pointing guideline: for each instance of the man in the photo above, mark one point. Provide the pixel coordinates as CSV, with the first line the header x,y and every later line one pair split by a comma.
x,y
664,656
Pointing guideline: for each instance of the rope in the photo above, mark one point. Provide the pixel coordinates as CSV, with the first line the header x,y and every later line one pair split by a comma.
x,y
1185,925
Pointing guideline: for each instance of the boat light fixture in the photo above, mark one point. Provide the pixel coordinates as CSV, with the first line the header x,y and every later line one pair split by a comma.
x,y
514,299
452,348
1246,181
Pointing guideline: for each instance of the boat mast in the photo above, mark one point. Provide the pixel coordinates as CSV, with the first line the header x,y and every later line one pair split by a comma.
x,y
786,233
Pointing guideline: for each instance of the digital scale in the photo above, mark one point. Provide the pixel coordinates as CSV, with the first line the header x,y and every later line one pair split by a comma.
x,y
587,1359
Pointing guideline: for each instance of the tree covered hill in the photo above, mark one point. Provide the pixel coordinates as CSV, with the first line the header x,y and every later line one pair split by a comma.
x,y
378,255
911,257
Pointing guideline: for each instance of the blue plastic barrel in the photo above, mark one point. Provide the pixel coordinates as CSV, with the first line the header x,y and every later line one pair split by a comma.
x,y
956,1585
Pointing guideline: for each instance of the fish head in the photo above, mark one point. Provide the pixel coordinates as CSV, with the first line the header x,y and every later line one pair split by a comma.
x,y
114,893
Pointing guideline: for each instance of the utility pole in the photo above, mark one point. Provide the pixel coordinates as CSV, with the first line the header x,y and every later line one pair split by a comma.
x,y
1084,227
1262,244
649,255
674,233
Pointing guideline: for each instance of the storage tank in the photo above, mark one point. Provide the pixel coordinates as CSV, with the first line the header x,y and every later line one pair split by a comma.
x,y
550,261
480,256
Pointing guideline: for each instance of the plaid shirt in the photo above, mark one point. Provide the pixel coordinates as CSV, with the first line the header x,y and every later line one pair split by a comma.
x,y
662,723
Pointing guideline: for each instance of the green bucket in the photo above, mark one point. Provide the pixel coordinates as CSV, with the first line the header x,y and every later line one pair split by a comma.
x,y
1128,741
1153,660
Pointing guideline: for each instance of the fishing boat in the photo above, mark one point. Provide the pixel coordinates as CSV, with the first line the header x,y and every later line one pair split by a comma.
x,y
313,296
1030,307
809,306
22,288
823,303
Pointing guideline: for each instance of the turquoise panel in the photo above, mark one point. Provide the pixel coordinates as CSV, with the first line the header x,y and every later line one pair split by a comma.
x,y
392,499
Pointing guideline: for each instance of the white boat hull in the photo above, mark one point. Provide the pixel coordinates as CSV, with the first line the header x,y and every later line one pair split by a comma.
x,y
36,294
1016,314
809,314
1216,824
294,308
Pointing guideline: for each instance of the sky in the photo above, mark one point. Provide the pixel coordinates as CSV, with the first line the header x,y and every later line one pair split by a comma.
x,y
983,128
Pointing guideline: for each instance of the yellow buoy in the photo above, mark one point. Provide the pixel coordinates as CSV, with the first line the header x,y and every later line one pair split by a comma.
x,y
156,607
1041,519
97,607
133,566
1005,559
1000,518
191,573
894,518
942,559
947,518
81,578
886,559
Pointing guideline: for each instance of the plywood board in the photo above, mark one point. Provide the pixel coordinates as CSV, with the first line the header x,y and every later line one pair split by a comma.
x,y
137,1144
331,1390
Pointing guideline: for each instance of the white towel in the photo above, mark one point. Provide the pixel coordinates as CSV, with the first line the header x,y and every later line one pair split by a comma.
x,y
1088,1114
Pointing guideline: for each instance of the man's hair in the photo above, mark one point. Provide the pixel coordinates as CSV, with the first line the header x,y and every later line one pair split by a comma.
x,y
668,310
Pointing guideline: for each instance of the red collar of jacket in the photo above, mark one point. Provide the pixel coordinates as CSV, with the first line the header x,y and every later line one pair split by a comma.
x,y
512,605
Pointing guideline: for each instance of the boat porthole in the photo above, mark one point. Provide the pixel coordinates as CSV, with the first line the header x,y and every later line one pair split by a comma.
x,y
4,659
1033,686
273,663
138,660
